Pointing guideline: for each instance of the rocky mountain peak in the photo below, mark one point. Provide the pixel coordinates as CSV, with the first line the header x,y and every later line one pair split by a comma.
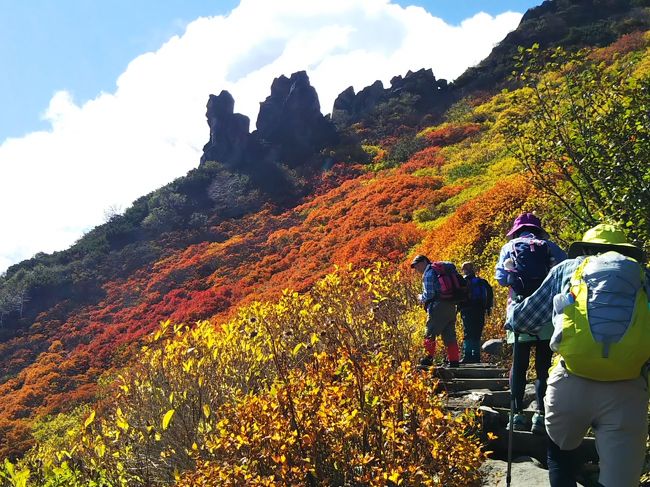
x,y
290,126
421,86
228,130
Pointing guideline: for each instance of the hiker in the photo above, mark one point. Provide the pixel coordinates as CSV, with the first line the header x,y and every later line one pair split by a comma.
x,y
441,314
598,301
523,263
480,302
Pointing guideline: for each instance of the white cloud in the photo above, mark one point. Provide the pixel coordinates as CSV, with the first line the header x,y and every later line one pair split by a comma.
x,y
119,146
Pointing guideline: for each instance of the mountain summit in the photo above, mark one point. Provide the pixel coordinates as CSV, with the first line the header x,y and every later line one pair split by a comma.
x,y
290,127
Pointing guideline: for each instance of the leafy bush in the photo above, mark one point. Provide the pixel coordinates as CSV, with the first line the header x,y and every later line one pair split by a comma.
x,y
581,130
166,210
341,422
404,149
314,389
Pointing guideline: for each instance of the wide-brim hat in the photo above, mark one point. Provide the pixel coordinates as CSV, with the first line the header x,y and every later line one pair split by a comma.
x,y
606,237
527,220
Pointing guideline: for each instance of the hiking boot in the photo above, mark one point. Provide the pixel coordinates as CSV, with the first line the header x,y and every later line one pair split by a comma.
x,y
453,364
538,426
468,360
518,422
426,361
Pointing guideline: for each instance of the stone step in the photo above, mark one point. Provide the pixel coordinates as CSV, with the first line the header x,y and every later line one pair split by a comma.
x,y
466,401
504,416
494,399
486,397
466,372
493,419
478,397
526,443
491,384
483,365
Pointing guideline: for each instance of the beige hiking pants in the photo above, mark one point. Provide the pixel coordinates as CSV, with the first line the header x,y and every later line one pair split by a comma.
x,y
617,412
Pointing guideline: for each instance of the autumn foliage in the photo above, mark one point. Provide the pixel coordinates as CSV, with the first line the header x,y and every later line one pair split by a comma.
x,y
314,389
202,368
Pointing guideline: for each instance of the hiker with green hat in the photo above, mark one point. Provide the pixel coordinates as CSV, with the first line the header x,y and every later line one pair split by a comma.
x,y
598,301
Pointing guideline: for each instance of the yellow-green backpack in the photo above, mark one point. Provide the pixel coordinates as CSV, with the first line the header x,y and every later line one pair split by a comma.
x,y
606,329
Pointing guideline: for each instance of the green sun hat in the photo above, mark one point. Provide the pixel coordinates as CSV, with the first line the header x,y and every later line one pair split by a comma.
x,y
606,237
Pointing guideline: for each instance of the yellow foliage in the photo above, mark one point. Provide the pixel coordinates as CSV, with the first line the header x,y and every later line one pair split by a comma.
x,y
314,386
342,421
376,153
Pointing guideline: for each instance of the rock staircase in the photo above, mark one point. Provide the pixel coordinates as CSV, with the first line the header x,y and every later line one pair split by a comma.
x,y
485,387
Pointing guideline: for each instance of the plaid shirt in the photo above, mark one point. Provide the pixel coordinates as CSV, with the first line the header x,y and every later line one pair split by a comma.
x,y
536,311
430,285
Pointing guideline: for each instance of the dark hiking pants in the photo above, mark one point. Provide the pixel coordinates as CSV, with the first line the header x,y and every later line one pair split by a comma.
x,y
543,355
473,322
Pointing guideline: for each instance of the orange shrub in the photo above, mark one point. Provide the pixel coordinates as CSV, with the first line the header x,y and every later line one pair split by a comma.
x,y
449,134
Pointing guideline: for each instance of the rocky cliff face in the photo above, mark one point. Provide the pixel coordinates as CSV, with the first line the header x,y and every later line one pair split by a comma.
x,y
290,120
290,127
420,89
228,130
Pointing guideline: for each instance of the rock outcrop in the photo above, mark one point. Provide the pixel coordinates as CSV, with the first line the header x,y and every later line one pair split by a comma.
x,y
290,127
229,131
349,107
290,121
421,88
571,24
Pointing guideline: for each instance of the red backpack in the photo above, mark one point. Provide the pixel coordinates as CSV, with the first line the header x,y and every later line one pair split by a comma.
x,y
453,286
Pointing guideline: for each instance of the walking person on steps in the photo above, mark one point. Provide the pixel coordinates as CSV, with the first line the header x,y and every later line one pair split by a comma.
x,y
472,312
441,315
598,301
524,262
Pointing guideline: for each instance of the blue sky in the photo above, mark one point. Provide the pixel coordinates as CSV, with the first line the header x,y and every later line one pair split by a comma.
x,y
82,46
104,101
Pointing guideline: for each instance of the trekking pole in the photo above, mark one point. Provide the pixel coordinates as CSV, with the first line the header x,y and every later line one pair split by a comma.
x,y
515,347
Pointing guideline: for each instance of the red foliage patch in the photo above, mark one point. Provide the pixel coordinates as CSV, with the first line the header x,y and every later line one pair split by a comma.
x,y
452,134
428,157
634,41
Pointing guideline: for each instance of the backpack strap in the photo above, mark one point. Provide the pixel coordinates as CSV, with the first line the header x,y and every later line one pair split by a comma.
x,y
576,282
578,273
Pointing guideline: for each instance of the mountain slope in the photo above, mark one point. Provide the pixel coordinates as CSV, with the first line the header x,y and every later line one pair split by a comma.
x,y
247,227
